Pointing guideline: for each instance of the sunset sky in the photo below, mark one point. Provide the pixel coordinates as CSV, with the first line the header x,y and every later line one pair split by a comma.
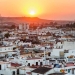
x,y
47,9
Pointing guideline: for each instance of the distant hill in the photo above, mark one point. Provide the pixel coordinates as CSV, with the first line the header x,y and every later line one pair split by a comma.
x,y
18,20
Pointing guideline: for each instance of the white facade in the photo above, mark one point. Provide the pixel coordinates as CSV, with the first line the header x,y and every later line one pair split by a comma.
x,y
24,43
6,48
65,45
24,70
34,61
20,27
29,62
5,68
69,45
58,70
56,52
24,26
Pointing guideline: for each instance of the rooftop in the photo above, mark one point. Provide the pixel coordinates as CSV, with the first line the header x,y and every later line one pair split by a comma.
x,y
1,62
57,74
33,58
15,64
41,70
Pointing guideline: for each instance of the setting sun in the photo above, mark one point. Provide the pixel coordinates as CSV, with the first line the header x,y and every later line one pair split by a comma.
x,y
32,12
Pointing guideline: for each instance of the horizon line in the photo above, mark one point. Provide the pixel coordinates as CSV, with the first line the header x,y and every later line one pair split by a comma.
x,y
39,18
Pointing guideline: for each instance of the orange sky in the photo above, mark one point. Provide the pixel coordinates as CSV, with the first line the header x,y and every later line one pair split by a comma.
x,y
48,9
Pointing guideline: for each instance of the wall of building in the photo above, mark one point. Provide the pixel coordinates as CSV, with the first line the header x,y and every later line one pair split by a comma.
x,y
56,52
33,62
5,49
68,45
22,71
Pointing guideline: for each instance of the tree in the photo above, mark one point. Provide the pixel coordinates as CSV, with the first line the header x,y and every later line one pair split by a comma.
x,y
13,27
51,23
54,35
0,31
7,35
55,23
48,33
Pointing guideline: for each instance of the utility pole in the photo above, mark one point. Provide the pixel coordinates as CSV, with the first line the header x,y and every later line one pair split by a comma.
x,y
45,55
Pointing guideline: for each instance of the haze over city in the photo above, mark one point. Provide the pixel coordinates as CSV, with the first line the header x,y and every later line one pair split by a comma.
x,y
46,9
37,37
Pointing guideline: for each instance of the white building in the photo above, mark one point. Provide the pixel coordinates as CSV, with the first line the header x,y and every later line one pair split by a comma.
x,y
57,53
54,71
24,26
6,48
6,69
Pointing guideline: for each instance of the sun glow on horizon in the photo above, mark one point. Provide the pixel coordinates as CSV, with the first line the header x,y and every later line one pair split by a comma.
x,y
32,12
47,9
31,9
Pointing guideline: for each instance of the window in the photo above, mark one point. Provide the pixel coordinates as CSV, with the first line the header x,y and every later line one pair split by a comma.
x,y
72,71
28,64
68,70
72,51
66,51
17,71
40,63
65,69
49,53
61,42
13,73
8,48
36,63
61,46
0,67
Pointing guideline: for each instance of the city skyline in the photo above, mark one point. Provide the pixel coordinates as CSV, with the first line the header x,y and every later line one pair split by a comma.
x,y
47,9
